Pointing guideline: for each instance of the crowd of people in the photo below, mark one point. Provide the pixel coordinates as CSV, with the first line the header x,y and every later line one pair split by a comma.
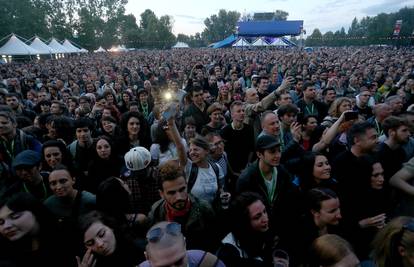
x,y
204,157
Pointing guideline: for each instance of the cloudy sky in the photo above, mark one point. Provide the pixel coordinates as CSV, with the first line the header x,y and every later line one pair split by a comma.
x,y
323,14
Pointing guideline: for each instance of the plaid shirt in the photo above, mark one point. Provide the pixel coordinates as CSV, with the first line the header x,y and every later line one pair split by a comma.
x,y
144,188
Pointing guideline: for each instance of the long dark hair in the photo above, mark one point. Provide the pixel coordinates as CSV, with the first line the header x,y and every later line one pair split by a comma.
x,y
249,240
23,201
143,134
66,156
307,180
161,137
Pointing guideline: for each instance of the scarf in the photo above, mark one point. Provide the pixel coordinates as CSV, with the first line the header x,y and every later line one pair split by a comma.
x,y
172,213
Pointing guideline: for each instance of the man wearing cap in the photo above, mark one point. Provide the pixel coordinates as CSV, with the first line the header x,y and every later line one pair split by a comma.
x,y
141,179
30,180
167,247
271,181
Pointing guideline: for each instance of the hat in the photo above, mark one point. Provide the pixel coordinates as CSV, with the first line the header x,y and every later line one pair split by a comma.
x,y
27,158
254,76
137,158
266,141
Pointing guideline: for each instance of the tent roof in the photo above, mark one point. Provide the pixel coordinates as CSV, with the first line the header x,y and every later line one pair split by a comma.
x,y
270,28
40,46
14,46
70,47
241,42
83,50
260,42
57,46
278,42
226,42
180,45
100,49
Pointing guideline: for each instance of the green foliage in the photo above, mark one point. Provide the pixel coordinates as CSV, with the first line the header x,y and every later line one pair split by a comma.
x,y
220,26
90,23
369,30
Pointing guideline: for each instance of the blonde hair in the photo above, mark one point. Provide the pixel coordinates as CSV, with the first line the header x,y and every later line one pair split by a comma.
x,y
334,109
386,242
330,249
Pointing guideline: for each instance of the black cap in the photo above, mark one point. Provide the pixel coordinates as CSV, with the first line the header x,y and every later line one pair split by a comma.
x,y
26,158
266,141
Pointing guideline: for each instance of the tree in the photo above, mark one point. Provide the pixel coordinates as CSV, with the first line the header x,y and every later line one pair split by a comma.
x,y
220,26
315,39
156,33
280,15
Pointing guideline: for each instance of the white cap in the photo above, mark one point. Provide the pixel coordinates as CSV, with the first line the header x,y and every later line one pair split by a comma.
x,y
137,158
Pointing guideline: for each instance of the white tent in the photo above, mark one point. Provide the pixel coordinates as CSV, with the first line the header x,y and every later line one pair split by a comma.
x,y
100,50
70,47
241,43
58,47
41,47
15,47
260,42
83,50
180,45
278,42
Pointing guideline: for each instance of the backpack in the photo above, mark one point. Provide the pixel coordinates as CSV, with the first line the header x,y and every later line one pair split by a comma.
x,y
208,260
194,172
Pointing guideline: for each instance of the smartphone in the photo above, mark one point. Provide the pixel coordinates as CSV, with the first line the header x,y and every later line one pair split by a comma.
x,y
169,112
351,115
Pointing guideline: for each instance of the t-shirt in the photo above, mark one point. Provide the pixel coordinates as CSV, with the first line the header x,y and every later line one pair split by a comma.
x,y
169,154
61,208
205,186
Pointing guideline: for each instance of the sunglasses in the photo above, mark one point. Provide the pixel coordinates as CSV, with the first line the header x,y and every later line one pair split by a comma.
x,y
156,234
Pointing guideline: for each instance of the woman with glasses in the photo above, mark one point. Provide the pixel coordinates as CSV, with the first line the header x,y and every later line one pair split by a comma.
x,y
393,246
217,121
106,243
249,242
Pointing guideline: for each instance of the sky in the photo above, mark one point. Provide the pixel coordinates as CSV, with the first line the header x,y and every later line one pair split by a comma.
x,y
326,15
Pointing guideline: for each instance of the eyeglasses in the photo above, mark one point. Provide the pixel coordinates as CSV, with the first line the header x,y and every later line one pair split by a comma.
x,y
156,234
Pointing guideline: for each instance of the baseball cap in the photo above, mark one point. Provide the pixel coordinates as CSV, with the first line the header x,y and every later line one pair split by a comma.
x,y
137,158
26,158
266,141
254,76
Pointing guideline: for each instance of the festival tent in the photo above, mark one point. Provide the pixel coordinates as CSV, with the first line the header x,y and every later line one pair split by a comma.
x,y
70,47
260,42
180,45
226,42
15,47
41,47
83,50
58,47
241,42
100,50
278,42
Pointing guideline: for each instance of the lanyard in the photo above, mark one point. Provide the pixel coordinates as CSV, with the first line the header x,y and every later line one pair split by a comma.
x,y
11,151
310,111
282,140
378,128
271,193
43,187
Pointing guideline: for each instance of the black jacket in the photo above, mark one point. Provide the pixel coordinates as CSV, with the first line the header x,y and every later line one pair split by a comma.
x,y
284,209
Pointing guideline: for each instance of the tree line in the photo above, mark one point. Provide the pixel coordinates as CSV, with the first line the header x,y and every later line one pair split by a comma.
x,y
374,30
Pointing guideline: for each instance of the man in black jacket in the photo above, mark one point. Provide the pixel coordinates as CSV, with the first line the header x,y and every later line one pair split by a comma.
x,y
271,181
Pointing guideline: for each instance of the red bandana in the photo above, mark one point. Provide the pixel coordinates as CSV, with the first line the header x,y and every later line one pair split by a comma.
x,y
173,213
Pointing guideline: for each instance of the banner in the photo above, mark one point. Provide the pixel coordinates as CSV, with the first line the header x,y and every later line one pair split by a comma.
x,y
397,27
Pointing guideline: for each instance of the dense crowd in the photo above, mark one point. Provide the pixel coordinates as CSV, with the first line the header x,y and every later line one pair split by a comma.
x,y
202,157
